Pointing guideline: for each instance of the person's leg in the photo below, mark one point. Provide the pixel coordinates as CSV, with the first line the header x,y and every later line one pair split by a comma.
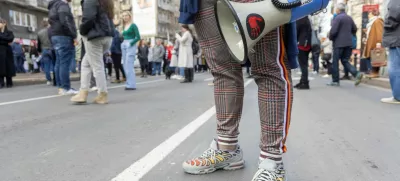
x,y
345,57
159,67
303,62
335,66
117,63
65,52
2,83
394,71
129,67
275,97
228,93
46,64
109,68
315,57
86,75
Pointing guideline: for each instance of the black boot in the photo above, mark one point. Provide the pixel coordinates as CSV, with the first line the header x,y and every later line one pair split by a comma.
x,y
187,76
303,85
191,74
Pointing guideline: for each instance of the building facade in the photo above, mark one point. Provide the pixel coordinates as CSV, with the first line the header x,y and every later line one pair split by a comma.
x,y
24,17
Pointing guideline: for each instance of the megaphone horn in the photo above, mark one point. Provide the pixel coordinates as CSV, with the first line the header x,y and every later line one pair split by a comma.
x,y
242,25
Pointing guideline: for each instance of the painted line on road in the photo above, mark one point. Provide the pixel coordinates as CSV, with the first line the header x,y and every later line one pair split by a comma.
x,y
141,167
209,79
54,96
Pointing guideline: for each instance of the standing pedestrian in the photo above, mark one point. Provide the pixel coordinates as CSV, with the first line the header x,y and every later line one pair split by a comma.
x,y
158,57
304,44
116,55
131,37
143,54
272,74
97,30
342,31
44,47
150,59
185,52
7,67
63,35
19,56
374,32
391,40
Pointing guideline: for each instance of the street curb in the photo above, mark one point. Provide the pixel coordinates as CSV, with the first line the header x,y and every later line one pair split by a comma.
x,y
26,82
378,82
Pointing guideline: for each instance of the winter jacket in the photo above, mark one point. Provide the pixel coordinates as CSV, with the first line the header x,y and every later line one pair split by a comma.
x,y
7,67
116,43
143,52
95,21
43,40
391,34
17,49
158,53
61,19
304,30
342,31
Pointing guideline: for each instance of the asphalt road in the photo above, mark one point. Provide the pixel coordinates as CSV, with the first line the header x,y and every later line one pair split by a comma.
x,y
337,134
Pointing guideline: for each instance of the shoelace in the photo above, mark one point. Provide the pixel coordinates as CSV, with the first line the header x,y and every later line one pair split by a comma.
x,y
210,153
265,175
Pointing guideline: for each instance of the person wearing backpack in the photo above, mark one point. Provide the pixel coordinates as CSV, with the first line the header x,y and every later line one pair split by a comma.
x,y
185,58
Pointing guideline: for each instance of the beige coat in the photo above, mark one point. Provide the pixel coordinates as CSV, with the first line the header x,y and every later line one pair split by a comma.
x,y
185,56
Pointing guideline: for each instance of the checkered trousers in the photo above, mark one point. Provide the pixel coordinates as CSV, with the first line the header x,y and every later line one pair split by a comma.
x,y
272,75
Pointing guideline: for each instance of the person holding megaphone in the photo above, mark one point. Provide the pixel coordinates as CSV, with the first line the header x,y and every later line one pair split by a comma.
x,y
265,33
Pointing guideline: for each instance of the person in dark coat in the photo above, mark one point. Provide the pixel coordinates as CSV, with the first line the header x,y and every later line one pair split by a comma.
x,y
7,67
143,53
304,44
341,34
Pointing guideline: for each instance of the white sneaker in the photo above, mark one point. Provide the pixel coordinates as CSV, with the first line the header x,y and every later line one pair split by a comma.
x,y
93,89
48,83
69,92
314,72
326,76
180,78
390,100
174,77
268,170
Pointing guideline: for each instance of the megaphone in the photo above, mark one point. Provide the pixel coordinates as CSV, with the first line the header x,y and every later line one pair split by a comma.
x,y
242,25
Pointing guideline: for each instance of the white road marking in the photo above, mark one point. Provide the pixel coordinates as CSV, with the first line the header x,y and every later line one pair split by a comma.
x,y
298,78
209,79
53,96
141,167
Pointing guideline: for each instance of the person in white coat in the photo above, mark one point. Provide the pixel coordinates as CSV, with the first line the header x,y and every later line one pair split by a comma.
x,y
185,58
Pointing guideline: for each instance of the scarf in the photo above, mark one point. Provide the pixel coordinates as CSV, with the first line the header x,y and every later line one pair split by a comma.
x,y
368,26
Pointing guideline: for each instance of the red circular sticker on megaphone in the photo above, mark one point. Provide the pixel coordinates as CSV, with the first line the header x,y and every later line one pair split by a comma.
x,y
255,25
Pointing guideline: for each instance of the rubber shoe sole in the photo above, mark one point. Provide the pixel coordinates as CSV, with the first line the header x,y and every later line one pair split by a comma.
x,y
229,167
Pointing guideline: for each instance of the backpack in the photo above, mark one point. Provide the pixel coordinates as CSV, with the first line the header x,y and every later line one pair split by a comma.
x,y
195,47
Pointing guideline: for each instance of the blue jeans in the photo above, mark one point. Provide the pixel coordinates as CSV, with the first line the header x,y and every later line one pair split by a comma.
x,y
156,67
47,63
394,71
64,48
73,62
128,58
182,71
343,54
19,63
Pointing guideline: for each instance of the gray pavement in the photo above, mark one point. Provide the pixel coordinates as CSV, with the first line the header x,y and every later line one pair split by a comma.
x,y
337,133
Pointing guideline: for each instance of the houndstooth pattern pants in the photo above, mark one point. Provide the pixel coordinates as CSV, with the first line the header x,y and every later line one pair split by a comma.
x,y
271,73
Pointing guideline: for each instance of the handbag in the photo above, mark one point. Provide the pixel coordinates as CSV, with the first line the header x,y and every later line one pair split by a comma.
x,y
327,57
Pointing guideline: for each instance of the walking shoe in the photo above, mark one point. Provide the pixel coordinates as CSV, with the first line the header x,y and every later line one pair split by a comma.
x,y
214,159
48,83
93,89
390,100
303,86
333,84
345,77
269,170
102,98
81,97
115,81
359,77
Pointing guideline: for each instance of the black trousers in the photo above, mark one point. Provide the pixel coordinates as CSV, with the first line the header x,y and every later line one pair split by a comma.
x,y
144,63
118,66
150,68
8,82
303,62
109,69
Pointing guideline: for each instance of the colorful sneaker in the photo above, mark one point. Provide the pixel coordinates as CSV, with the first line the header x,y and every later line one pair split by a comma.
x,y
269,170
214,159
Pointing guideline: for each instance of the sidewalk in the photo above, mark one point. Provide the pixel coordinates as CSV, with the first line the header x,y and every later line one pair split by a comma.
x,y
382,82
39,78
